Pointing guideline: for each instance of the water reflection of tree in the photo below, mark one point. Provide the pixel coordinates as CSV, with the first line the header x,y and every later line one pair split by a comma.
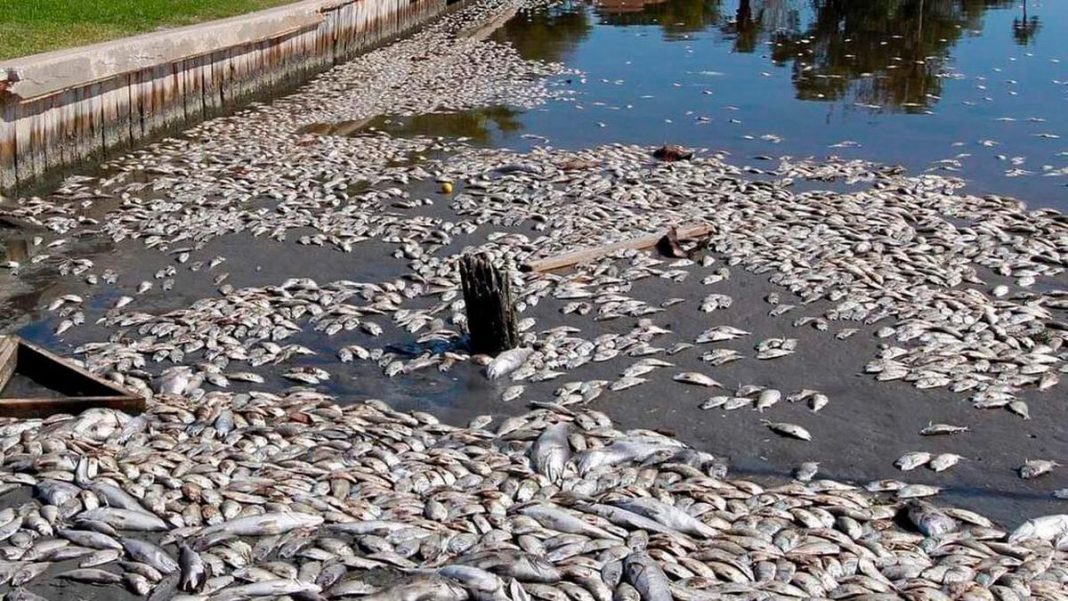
x,y
678,18
882,53
473,124
886,53
548,34
1024,29
755,19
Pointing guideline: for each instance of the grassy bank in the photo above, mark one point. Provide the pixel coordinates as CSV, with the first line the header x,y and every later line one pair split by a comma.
x,y
32,26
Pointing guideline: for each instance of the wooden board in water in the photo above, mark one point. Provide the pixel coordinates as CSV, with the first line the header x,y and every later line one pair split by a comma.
x,y
77,389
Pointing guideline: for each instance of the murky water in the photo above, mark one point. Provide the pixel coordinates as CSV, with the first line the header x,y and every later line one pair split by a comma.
x,y
970,88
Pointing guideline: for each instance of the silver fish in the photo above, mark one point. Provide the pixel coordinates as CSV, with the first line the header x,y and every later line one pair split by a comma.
x,y
551,451
646,576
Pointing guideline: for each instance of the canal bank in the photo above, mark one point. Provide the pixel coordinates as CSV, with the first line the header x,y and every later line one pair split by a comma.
x,y
64,108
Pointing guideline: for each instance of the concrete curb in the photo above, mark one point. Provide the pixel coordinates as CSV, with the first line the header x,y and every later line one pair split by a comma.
x,y
39,74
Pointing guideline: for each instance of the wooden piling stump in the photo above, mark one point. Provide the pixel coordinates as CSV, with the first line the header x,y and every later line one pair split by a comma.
x,y
491,317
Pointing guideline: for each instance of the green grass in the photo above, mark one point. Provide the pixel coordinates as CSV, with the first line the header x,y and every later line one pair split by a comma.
x,y
32,26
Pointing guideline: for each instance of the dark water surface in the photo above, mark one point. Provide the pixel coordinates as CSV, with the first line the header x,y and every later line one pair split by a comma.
x,y
971,88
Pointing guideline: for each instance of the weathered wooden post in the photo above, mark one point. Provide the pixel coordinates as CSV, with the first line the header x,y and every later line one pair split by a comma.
x,y
491,318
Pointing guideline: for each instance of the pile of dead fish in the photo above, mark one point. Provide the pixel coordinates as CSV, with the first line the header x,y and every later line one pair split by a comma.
x,y
910,258
909,255
260,495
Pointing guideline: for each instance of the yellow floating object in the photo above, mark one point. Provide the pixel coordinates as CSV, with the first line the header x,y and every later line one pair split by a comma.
x,y
446,188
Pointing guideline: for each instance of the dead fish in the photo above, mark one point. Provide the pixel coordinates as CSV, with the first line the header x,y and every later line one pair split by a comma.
x,y
480,422
1033,468
28,572
193,571
625,383
307,375
929,520
1019,408
807,471
512,393
551,451
507,362
915,491
149,554
697,379
933,429
20,594
124,519
767,399
944,461
264,524
788,430
417,588
714,402
1047,528
91,576
647,577
559,519
913,460
88,538
244,376
668,515
720,333
817,402
63,326
268,588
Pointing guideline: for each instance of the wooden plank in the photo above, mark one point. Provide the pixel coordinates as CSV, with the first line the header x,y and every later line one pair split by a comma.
x,y
59,130
137,106
208,91
25,408
220,78
84,390
109,116
93,143
39,128
193,90
8,358
63,376
239,60
23,154
8,149
153,100
589,254
173,104
81,130
127,111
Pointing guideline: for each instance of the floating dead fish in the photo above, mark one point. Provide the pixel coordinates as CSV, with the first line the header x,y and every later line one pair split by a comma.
x,y
943,461
913,460
933,429
788,430
507,362
807,471
1033,468
697,379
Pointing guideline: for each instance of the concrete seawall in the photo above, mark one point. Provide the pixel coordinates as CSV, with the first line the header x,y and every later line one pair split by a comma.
x,y
61,108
